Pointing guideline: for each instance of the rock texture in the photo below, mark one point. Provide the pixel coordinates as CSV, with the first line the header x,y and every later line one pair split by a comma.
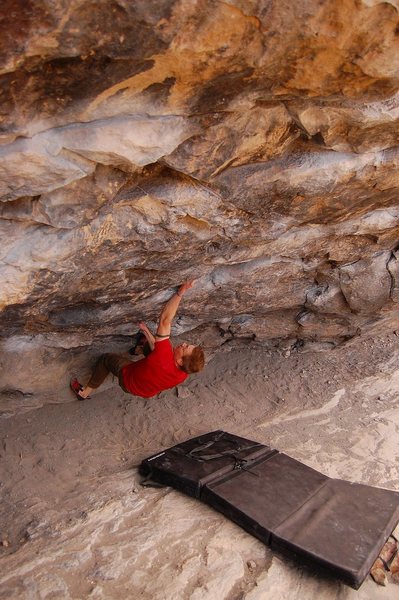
x,y
251,144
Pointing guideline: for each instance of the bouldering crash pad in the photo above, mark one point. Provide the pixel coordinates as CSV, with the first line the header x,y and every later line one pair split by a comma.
x,y
334,525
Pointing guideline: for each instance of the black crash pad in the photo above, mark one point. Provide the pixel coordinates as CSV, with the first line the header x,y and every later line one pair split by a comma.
x,y
332,524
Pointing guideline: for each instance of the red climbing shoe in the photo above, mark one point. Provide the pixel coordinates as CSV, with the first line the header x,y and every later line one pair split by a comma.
x,y
77,387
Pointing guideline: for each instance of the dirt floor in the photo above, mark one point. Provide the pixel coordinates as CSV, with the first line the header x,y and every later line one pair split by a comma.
x,y
65,465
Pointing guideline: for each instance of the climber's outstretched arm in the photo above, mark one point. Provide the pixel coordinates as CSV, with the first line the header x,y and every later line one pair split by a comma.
x,y
169,311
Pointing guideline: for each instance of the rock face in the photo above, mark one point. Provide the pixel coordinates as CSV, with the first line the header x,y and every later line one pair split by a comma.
x,y
252,144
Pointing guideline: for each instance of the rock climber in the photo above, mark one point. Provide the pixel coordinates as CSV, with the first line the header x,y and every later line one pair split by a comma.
x,y
164,366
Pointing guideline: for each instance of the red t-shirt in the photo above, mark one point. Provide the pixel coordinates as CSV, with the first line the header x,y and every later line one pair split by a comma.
x,y
154,373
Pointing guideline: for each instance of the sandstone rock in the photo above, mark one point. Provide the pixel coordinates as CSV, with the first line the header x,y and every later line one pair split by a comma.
x,y
393,268
394,567
352,127
366,284
378,572
30,167
327,298
325,327
245,135
251,564
50,160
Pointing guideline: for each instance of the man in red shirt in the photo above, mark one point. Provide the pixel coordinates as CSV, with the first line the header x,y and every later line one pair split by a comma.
x,y
164,368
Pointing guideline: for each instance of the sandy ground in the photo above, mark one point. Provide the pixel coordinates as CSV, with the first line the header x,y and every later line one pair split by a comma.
x,y
75,522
